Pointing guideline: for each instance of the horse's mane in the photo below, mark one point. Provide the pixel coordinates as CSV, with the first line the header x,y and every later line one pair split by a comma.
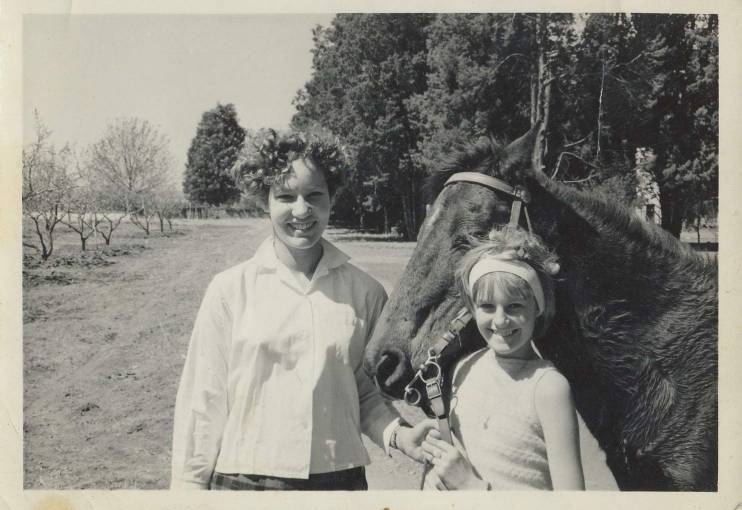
x,y
488,156
483,156
617,218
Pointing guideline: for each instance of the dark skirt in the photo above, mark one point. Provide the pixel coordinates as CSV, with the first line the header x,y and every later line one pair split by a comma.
x,y
346,480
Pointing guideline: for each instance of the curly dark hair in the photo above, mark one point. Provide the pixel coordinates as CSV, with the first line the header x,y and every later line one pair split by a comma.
x,y
259,166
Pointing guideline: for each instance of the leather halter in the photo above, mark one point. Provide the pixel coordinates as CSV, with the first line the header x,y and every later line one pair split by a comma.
x,y
430,372
521,196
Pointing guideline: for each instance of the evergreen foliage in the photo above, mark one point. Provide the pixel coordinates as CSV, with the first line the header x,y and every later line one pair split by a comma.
x,y
616,92
211,155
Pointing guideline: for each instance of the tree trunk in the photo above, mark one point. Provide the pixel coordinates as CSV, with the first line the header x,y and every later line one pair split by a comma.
x,y
534,100
413,204
600,111
698,229
543,95
672,217
409,227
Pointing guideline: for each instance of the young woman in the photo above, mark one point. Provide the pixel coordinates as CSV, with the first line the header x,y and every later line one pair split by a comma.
x,y
273,395
514,421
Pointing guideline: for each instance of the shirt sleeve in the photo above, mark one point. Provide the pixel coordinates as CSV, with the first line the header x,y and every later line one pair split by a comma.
x,y
378,417
201,405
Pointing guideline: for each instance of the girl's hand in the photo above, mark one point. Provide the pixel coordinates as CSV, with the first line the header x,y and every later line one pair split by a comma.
x,y
433,478
453,470
409,440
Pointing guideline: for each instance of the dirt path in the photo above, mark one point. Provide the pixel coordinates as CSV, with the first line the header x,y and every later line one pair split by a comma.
x,y
103,356
103,360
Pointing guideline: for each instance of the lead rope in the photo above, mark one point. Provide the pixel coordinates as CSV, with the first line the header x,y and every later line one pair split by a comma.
x,y
431,374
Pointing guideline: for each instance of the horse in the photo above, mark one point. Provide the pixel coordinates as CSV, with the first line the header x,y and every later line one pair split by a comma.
x,y
636,324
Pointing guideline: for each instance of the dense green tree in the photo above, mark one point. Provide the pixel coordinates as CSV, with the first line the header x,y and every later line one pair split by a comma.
x,y
401,91
490,74
212,153
365,68
478,81
680,124
597,107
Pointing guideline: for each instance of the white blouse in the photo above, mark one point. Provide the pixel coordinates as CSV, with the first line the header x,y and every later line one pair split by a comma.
x,y
273,382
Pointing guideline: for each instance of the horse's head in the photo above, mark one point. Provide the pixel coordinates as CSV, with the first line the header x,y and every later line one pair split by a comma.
x,y
425,299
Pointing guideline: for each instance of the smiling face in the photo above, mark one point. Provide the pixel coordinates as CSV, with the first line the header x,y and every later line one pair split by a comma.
x,y
505,312
300,209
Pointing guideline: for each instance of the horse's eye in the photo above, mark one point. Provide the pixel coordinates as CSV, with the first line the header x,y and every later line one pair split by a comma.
x,y
461,242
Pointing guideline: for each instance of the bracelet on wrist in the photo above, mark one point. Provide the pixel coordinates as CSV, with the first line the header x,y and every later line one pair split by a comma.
x,y
393,438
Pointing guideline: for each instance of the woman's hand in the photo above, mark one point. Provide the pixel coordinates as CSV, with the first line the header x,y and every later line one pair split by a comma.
x,y
409,439
453,470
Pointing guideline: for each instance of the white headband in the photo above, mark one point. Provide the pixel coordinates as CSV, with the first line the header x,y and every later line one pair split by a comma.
x,y
512,266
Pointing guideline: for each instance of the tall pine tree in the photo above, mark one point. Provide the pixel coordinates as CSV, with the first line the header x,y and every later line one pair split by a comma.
x,y
366,66
681,111
213,151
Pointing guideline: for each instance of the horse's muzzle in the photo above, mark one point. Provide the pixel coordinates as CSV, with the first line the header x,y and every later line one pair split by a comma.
x,y
393,372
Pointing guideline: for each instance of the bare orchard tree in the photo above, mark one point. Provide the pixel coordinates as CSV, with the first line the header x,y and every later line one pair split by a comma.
x,y
132,159
130,166
144,211
101,200
168,204
81,206
81,214
106,222
46,187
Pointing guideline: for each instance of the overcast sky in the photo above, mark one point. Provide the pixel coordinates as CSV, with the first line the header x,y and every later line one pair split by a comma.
x,y
83,71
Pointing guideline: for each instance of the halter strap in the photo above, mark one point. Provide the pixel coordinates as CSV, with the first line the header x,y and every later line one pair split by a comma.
x,y
521,196
494,183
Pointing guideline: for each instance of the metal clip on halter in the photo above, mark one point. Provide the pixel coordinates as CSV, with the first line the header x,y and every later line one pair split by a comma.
x,y
429,373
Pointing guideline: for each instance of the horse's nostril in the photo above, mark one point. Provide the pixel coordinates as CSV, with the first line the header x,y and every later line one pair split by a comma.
x,y
392,372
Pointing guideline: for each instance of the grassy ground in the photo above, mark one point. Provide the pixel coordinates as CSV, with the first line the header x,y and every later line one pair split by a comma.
x,y
105,336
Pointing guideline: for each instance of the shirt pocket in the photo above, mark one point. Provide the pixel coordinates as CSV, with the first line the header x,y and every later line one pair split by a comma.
x,y
344,335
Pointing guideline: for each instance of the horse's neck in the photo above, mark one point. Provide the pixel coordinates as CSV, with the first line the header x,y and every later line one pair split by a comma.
x,y
617,300
577,223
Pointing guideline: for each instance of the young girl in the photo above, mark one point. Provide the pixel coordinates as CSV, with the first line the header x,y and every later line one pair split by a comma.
x,y
273,394
514,421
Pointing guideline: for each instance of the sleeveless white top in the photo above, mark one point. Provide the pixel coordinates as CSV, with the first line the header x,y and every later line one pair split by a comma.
x,y
494,421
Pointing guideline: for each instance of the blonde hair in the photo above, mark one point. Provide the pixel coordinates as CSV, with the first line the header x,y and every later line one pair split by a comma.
x,y
523,246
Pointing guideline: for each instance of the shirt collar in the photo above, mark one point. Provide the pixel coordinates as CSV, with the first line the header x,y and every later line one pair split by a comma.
x,y
332,256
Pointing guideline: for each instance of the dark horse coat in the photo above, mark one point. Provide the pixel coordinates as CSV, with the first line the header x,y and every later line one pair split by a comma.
x,y
635,329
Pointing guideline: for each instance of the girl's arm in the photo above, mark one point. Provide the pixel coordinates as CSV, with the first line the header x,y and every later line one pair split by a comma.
x,y
556,411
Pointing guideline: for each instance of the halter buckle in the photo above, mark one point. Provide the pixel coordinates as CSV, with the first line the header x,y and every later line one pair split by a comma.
x,y
433,390
522,194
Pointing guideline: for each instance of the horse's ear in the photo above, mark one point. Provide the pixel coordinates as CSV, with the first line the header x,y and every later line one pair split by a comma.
x,y
520,152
